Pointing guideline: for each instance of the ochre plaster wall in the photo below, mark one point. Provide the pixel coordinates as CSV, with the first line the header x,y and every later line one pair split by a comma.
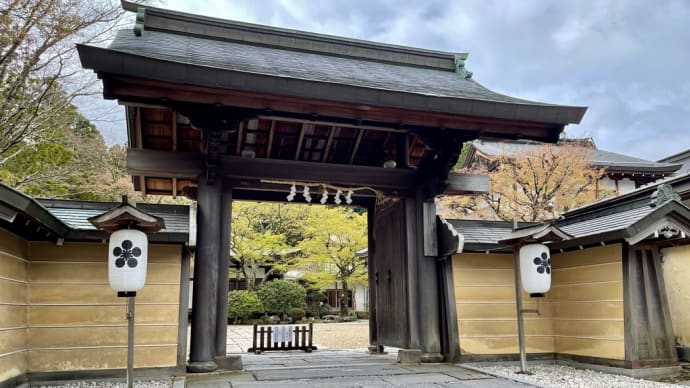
x,y
485,303
581,315
13,308
676,266
77,322
587,301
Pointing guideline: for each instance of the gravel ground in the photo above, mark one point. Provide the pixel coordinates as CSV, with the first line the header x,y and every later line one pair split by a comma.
x,y
555,375
343,335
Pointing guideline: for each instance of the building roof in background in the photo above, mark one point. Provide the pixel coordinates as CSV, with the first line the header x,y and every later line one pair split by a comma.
x,y
611,161
681,157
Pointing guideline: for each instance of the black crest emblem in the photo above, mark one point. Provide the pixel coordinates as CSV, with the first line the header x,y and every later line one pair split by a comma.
x,y
543,263
126,254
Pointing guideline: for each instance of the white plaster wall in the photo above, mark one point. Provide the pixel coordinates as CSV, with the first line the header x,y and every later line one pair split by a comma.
x,y
676,266
625,185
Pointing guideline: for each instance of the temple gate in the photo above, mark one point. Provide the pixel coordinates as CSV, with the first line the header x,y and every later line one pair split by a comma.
x,y
220,110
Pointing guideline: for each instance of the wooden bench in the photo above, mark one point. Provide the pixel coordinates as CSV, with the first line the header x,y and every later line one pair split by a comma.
x,y
300,339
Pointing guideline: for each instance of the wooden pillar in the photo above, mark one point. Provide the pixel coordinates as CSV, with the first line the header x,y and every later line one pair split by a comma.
x,y
649,340
413,253
450,343
205,295
223,267
428,295
374,346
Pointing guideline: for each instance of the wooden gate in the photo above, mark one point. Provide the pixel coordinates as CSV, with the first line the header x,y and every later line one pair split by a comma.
x,y
392,316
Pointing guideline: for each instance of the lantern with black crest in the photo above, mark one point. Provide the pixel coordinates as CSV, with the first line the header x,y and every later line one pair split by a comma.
x,y
128,247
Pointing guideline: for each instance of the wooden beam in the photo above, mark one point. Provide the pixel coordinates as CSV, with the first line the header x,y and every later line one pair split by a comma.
x,y
165,164
174,131
300,140
466,184
152,92
240,137
327,148
140,145
358,141
271,133
402,145
189,165
331,123
174,187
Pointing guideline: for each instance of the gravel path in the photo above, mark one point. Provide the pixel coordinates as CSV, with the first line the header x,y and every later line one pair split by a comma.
x,y
343,335
112,383
555,375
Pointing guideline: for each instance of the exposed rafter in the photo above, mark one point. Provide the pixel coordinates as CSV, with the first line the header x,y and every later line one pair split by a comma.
x,y
355,148
327,148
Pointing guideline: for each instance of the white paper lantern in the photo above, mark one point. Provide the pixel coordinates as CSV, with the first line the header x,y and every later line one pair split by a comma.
x,y
127,260
535,268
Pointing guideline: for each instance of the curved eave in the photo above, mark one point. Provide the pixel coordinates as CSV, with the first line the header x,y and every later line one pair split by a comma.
x,y
33,210
110,62
638,169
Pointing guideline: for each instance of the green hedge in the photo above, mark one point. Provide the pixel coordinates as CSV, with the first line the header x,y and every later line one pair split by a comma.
x,y
243,305
279,296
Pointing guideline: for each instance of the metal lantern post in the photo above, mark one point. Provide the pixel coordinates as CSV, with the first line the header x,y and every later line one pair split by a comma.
x,y
532,270
128,259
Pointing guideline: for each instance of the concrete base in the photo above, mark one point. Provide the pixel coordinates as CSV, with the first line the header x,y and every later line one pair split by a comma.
x,y
409,356
201,367
229,362
641,373
432,357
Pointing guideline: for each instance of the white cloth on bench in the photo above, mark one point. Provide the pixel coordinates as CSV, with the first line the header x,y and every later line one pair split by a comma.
x,y
282,334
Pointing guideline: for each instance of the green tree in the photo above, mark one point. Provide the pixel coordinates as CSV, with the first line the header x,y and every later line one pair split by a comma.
x,y
264,235
243,305
279,296
333,235
39,73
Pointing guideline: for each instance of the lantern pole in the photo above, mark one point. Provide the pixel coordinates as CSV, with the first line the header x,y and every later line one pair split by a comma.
x,y
520,319
128,259
130,340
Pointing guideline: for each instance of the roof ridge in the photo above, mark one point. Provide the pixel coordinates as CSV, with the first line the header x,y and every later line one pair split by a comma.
x,y
165,20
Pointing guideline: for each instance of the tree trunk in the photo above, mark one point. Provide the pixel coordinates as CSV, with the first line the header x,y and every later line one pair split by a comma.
x,y
343,299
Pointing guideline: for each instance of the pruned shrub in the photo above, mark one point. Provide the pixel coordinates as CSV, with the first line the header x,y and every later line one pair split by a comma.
x,y
296,314
318,311
279,296
243,305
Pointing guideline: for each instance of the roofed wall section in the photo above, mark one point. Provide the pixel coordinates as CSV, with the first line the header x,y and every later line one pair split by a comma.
x,y
76,321
587,301
13,306
581,316
485,303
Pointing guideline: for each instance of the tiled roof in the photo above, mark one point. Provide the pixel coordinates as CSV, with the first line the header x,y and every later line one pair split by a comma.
x,y
304,65
228,54
482,232
76,213
599,158
603,224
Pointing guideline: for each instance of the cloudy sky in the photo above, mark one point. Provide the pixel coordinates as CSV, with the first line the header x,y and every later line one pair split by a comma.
x,y
628,61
